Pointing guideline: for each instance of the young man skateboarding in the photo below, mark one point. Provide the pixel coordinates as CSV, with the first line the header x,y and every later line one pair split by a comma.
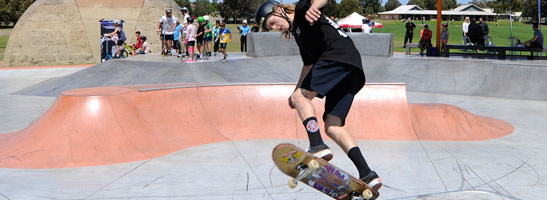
x,y
332,68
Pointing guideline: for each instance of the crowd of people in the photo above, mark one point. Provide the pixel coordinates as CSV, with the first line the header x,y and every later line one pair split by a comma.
x,y
473,33
183,38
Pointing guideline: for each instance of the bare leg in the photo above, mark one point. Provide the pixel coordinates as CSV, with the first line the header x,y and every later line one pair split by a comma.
x,y
335,130
301,101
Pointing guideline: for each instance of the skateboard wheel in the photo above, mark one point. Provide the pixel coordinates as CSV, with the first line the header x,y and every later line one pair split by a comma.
x,y
367,194
313,164
292,183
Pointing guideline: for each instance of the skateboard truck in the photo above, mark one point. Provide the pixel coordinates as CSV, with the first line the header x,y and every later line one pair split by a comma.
x,y
303,172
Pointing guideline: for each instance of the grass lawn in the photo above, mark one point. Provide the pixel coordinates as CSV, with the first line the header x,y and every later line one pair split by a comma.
x,y
500,34
3,43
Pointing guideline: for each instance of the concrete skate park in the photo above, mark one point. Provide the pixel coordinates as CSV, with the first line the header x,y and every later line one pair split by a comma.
x,y
152,127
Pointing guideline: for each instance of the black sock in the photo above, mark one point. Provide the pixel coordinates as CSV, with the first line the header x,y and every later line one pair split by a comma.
x,y
312,128
355,155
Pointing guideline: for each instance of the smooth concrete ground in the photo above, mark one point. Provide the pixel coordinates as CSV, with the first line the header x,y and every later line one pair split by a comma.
x,y
512,167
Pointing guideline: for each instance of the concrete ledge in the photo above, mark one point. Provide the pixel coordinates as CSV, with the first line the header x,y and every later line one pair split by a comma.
x,y
273,44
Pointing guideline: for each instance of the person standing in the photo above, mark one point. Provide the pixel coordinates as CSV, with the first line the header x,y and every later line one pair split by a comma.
x,y
444,39
191,32
166,26
243,31
225,35
332,69
465,26
484,29
183,40
410,26
255,28
200,36
366,27
475,33
216,30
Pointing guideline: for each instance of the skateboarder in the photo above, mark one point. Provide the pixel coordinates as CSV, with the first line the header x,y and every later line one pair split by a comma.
x,y
332,68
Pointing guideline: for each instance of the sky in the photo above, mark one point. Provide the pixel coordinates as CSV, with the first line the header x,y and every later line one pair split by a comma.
x,y
404,2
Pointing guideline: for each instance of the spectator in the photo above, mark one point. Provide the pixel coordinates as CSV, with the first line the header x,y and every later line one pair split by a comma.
x,y
191,32
208,35
166,26
144,48
255,28
243,31
444,39
199,36
537,40
138,44
176,39
425,40
183,40
215,37
484,29
371,23
366,27
410,26
118,31
332,19
224,38
474,33
465,26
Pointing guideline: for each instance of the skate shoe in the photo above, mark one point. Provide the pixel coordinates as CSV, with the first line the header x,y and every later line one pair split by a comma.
x,y
372,180
321,151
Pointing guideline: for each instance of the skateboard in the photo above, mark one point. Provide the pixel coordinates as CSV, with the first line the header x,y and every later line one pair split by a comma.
x,y
319,174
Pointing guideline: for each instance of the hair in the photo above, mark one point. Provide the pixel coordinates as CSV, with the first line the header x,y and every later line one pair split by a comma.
x,y
138,32
535,25
289,9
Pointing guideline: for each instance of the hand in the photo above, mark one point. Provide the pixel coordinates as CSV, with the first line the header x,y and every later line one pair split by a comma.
x,y
313,15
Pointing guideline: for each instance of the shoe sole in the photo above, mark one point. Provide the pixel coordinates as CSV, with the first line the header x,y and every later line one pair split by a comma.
x,y
375,184
325,154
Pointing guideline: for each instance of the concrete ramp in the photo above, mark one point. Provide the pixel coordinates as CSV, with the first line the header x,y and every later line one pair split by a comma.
x,y
109,125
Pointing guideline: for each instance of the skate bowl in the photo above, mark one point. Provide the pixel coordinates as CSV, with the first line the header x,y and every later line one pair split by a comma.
x,y
118,124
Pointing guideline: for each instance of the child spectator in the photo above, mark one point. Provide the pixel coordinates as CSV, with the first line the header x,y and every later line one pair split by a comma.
x,y
444,39
215,37
224,39
199,36
191,36
144,48
176,39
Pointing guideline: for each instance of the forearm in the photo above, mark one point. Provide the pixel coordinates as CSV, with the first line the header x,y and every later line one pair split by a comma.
x,y
318,3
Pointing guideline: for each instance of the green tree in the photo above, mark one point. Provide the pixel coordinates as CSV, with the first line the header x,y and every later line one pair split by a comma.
x,y
371,6
419,3
502,6
238,8
201,7
349,6
11,10
330,9
531,9
449,4
392,4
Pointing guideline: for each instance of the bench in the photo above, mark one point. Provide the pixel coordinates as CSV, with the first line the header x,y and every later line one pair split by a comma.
x,y
410,45
499,50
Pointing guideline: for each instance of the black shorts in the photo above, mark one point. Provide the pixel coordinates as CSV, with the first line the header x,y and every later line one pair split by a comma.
x,y
199,41
167,37
223,45
191,43
176,44
338,82
120,42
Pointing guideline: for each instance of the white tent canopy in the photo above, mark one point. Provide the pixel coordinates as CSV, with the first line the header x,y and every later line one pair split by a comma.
x,y
355,20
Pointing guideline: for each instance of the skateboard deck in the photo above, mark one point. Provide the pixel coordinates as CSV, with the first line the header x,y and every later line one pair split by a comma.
x,y
319,174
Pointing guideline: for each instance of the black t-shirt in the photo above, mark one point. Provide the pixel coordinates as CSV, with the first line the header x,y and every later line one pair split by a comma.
x,y
410,27
201,29
325,40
